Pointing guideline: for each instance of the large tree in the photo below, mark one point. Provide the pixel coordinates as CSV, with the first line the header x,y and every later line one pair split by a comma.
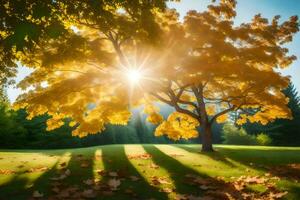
x,y
116,55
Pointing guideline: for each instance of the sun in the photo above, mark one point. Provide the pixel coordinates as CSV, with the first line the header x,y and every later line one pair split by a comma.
x,y
134,76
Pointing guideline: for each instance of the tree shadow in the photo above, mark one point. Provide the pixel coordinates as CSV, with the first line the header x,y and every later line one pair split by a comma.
x,y
277,162
280,163
183,176
216,155
44,184
115,160
16,188
271,156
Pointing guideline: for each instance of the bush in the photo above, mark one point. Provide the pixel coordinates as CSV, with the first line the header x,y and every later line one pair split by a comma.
x,y
234,135
263,139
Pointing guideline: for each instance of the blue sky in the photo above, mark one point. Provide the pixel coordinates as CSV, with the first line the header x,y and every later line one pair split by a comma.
x,y
246,9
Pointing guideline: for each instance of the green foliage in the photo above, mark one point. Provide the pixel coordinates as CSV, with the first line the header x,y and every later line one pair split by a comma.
x,y
10,130
263,139
238,136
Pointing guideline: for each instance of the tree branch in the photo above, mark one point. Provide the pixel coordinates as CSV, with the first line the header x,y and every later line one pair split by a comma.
x,y
222,113
161,99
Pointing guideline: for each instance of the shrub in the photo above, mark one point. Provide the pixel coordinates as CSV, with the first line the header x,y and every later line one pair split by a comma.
x,y
263,139
234,135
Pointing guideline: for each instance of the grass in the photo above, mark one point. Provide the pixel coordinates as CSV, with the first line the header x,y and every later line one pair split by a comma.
x,y
175,161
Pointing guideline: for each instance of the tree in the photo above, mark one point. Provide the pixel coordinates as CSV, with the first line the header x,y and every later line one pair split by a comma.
x,y
116,55
10,130
237,136
141,130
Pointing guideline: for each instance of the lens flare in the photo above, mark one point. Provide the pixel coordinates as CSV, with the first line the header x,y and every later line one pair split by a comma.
x,y
134,76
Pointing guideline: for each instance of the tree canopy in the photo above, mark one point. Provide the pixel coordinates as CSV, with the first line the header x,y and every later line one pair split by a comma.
x,y
110,56
282,131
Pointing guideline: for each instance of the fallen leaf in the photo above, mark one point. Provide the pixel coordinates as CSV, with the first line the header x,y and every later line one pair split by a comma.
x,y
140,156
67,172
64,175
84,164
267,174
159,180
154,166
89,193
204,187
167,190
254,179
7,171
278,195
63,164
113,174
101,172
114,184
134,178
37,194
37,169
88,182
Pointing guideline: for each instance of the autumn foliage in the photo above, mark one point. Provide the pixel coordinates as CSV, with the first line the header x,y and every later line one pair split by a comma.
x,y
204,67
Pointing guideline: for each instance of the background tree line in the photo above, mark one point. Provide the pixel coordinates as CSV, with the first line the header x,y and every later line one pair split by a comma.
x,y
18,132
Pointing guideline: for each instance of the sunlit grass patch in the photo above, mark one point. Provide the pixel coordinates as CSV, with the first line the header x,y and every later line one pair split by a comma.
x,y
148,171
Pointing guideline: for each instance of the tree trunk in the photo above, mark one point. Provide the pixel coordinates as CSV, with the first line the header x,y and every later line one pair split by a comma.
x,y
206,137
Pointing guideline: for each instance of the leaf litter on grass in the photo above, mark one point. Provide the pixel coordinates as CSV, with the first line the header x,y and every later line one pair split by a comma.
x,y
212,188
218,188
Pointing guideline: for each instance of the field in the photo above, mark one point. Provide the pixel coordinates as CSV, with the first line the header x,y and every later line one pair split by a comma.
x,y
151,172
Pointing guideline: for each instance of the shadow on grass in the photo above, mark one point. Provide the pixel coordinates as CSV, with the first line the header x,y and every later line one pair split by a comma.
x,y
115,159
17,187
271,156
178,172
216,155
251,157
283,163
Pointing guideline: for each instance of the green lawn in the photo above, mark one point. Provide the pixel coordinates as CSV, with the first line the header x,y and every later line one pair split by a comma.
x,y
151,172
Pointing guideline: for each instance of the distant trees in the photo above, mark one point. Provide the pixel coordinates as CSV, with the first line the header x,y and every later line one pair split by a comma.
x,y
239,136
10,130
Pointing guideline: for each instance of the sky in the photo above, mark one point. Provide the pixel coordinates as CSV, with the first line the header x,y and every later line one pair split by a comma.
x,y
246,9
